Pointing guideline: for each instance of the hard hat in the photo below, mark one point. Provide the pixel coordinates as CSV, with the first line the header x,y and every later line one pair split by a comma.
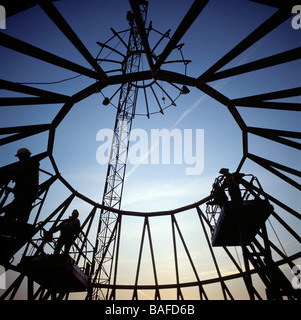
x,y
75,214
223,170
23,151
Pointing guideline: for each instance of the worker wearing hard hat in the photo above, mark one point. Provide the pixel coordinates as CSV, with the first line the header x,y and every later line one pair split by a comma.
x,y
70,229
231,181
25,174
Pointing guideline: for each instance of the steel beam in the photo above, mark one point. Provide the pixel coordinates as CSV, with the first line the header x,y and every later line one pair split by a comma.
x,y
163,75
189,18
288,106
13,7
225,101
175,77
62,113
31,128
174,224
62,24
214,94
179,292
270,24
238,118
17,87
267,96
21,132
279,58
130,77
278,136
271,165
86,92
27,101
224,287
35,52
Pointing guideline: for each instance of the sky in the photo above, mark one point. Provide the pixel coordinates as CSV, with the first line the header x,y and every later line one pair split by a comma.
x,y
156,187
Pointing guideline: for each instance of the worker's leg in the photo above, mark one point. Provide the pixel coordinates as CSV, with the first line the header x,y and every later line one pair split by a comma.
x,y
68,245
59,245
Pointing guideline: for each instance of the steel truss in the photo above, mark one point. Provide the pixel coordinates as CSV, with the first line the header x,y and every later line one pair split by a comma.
x,y
84,251
113,189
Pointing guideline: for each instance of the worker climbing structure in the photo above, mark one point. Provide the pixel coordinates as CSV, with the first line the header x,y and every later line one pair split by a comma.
x,y
232,246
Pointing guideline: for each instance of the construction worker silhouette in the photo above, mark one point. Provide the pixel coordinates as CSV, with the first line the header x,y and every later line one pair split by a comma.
x,y
70,229
219,196
231,181
25,174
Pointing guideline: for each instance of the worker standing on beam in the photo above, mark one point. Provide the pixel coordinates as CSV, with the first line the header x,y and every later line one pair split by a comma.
x,y
70,229
25,174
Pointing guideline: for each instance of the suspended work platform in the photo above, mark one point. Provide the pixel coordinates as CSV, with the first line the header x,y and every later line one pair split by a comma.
x,y
57,273
237,213
238,210
237,219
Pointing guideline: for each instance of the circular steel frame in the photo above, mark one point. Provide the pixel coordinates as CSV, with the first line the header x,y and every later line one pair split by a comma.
x,y
267,100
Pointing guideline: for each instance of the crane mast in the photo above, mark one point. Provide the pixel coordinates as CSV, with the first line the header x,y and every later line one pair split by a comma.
x,y
114,183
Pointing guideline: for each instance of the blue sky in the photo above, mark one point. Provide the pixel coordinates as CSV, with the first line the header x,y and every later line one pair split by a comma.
x,y
221,26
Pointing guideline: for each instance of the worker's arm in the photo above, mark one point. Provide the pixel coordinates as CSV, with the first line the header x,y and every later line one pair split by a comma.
x,y
56,228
